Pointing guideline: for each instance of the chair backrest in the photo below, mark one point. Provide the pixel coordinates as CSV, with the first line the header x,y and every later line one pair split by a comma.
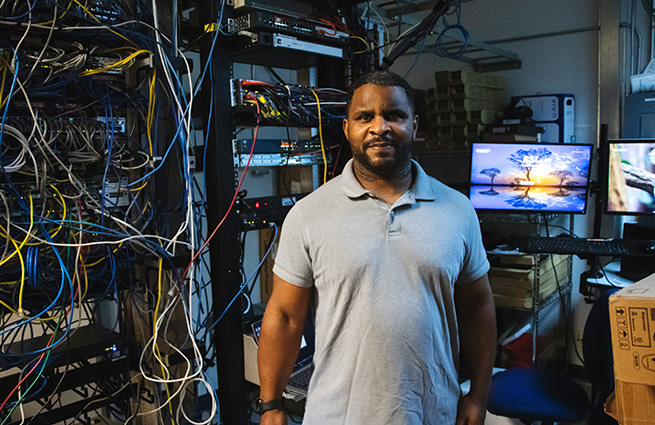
x,y
597,347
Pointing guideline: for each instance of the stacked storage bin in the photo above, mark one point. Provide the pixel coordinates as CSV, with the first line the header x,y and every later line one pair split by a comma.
x,y
461,105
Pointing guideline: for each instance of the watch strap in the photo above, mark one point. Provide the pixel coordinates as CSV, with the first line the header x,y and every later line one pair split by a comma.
x,y
265,406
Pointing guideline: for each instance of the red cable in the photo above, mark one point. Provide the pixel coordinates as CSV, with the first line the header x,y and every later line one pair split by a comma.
x,y
334,28
236,193
26,375
336,161
255,83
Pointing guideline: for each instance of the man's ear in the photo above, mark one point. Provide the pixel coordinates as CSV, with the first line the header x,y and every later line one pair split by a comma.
x,y
344,126
415,126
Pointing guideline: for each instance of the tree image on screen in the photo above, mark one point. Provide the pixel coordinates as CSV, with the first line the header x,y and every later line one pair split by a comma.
x,y
564,176
491,173
525,160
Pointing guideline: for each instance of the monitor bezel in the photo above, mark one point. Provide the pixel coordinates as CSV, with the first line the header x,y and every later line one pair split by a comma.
x,y
586,186
608,142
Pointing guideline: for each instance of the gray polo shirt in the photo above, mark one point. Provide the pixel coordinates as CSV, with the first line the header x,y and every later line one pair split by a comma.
x,y
384,276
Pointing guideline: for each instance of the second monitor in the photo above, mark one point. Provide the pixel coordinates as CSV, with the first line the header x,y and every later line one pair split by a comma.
x,y
631,177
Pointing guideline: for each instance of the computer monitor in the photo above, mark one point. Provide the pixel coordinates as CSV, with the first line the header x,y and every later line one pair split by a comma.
x,y
631,176
530,177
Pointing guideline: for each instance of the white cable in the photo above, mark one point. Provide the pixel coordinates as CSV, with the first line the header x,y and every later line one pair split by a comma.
x,y
106,242
73,180
12,65
23,141
214,407
45,46
385,31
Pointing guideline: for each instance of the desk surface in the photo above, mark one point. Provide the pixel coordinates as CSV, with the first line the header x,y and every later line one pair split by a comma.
x,y
610,277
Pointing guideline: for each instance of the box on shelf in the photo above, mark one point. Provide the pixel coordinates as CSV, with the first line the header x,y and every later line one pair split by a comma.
x,y
474,78
475,92
465,104
632,321
513,278
461,105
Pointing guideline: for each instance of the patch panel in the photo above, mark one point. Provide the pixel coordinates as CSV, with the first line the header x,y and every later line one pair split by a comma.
x,y
277,160
282,105
244,146
260,20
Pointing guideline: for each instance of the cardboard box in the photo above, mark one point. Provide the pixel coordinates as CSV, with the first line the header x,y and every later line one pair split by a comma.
x,y
632,320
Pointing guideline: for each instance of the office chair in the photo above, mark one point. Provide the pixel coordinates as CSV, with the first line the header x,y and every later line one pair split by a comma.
x,y
531,394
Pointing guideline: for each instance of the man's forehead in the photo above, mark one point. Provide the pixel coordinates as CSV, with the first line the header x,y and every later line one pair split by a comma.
x,y
396,90
393,96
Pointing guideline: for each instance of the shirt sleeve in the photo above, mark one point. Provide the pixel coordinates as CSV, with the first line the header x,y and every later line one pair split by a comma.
x,y
475,263
293,261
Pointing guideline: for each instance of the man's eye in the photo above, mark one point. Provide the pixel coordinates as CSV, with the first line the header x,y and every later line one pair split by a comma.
x,y
364,117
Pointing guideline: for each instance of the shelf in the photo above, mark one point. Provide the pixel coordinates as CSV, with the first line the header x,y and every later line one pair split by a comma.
x,y
541,305
482,56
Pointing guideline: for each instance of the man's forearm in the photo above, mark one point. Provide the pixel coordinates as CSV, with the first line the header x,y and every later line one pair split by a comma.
x,y
478,340
279,345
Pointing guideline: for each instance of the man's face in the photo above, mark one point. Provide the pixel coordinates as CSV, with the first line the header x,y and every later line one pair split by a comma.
x,y
380,128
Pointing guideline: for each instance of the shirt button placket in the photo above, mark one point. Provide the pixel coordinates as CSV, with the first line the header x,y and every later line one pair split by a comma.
x,y
394,228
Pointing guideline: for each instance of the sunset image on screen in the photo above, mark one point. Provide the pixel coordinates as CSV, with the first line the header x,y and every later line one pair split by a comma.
x,y
530,177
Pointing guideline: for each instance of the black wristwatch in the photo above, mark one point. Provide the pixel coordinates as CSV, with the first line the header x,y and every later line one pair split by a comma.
x,y
265,406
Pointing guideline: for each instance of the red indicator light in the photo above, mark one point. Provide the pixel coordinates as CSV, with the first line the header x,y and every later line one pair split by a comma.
x,y
256,204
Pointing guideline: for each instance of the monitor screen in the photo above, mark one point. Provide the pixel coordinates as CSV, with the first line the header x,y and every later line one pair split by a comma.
x,y
631,176
530,177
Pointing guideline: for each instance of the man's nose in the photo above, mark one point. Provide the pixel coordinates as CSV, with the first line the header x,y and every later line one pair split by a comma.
x,y
380,125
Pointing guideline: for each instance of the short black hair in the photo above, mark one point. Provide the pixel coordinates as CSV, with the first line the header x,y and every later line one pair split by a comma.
x,y
382,79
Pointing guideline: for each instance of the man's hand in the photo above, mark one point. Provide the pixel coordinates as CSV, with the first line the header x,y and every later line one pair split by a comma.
x,y
470,411
274,417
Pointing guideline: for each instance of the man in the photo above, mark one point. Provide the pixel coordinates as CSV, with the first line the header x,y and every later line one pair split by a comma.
x,y
394,263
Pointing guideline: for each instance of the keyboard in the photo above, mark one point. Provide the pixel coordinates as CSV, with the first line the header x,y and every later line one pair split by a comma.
x,y
300,380
580,246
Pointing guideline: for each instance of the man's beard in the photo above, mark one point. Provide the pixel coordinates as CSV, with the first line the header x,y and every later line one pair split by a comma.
x,y
389,166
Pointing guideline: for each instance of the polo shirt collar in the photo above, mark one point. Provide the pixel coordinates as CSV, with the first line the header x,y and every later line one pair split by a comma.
x,y
421,188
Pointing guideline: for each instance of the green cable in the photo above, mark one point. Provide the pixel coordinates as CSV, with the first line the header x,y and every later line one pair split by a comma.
x,y
45,361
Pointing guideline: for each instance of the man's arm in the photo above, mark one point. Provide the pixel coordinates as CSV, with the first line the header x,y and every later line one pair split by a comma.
x,y
476,316
279,342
